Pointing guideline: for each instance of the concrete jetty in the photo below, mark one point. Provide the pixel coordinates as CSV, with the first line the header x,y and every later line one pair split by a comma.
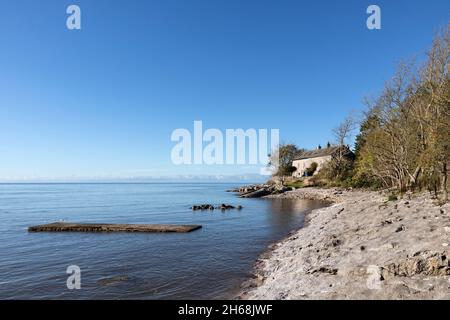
x,y
108,227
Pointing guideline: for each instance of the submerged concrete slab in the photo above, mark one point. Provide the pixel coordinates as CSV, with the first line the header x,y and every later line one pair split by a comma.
x,y
108,227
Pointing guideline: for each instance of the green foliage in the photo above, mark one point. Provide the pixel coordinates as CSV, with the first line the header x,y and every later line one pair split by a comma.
x,y
311,169
285,154
370,123
337,170
392,197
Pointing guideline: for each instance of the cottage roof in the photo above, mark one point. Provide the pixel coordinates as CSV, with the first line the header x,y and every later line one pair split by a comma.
x,y
321,152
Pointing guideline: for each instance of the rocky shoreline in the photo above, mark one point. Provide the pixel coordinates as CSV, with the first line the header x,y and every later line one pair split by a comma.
x,y
362,246
260,190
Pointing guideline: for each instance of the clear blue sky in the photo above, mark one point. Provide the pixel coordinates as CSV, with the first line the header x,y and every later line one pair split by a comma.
x,y
104,100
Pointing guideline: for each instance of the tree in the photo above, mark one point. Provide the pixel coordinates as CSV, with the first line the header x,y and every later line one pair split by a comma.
x,y
388,150
370,123
404,140
340,166
311,169
281,160
433,109
343,131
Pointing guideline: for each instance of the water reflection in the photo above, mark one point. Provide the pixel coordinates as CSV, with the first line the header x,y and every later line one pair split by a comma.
x,y
286,211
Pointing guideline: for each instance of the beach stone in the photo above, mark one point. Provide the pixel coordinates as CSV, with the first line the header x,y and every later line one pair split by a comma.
x,y
332,271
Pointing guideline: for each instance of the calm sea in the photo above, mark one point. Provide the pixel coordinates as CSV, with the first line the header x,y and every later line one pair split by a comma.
x,y
209,263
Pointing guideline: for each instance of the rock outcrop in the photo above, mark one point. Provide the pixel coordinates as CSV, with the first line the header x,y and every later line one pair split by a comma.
x,y
260,190
223,206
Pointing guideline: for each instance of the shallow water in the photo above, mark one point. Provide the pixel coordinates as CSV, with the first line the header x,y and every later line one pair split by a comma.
x,y
209,263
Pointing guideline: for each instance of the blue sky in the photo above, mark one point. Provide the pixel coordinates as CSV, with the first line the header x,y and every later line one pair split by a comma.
x,y
103,101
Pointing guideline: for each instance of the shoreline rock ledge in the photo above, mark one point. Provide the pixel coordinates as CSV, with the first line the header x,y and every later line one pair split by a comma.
x,y
260,190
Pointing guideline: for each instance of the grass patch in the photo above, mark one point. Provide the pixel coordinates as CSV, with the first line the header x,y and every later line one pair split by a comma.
x,y
296,184
392,197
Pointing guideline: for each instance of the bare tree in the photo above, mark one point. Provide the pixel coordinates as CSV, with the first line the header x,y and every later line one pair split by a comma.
x,y
406,138
434,111
343,131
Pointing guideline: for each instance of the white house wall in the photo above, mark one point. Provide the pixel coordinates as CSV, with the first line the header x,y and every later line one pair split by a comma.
x,y
303,164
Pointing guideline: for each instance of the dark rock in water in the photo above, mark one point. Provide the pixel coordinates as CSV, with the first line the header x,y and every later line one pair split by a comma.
x,y
223,206
112,280
202,207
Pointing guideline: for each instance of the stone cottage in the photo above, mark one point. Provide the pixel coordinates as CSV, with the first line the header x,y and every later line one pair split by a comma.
x,y
320,156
